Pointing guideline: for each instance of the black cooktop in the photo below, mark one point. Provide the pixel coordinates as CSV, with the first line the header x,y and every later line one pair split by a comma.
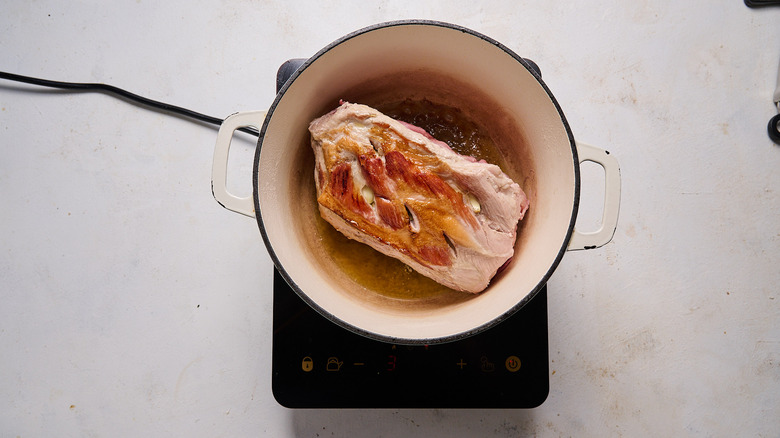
x,y
317,364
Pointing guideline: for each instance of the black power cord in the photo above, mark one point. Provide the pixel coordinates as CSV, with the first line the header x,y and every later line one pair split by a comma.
x,y
112,90
773,129
761,3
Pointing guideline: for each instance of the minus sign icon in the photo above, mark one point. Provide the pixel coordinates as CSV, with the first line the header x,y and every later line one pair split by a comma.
x,y
358,363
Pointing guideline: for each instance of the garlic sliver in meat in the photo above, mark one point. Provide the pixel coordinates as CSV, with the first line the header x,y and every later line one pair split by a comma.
x,y
368,194
414,223
474,203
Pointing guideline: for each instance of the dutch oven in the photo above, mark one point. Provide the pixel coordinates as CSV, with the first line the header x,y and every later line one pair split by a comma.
x,y
449,65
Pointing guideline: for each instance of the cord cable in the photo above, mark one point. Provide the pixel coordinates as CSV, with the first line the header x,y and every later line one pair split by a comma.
x,y
112,90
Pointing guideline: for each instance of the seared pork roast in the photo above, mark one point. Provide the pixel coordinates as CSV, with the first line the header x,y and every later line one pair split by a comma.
x,y
392,186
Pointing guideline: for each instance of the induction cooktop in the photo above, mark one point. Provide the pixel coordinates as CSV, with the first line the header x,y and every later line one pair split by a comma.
x,y
318,364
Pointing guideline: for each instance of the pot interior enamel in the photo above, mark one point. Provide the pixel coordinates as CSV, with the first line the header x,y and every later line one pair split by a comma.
x,y
447,65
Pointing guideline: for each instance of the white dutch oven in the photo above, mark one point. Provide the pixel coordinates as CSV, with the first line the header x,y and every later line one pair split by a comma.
x,y
446,64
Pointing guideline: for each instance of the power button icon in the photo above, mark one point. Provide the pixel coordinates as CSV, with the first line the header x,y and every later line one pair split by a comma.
x,y
512,363
307,364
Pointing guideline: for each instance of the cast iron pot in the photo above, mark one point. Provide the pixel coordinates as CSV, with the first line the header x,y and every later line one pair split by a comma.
x,y
449,65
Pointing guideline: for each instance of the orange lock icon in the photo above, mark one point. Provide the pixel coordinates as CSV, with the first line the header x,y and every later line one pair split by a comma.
x,y
307,364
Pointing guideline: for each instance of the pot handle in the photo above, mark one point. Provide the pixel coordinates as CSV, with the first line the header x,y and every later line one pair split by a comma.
x,y
243,205
609,217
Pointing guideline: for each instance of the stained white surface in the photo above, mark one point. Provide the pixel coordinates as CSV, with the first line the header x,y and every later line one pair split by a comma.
x,y
134,305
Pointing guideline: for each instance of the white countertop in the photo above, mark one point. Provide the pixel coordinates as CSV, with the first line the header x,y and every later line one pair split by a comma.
x,y
134,305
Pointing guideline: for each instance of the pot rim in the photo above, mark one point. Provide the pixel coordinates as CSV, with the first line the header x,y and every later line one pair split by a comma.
x,y
366,333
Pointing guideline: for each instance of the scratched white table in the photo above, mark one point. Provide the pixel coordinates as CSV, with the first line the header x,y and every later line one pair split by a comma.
x,y
133,305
